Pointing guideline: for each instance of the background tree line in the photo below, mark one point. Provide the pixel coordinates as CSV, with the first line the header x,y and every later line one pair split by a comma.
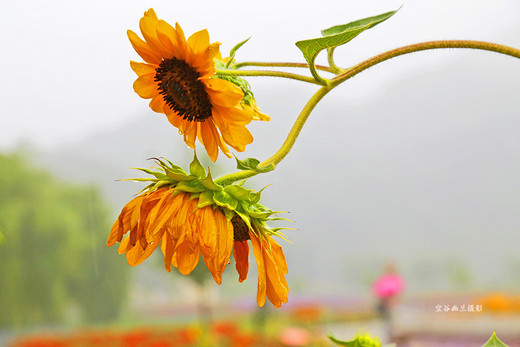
x,y
53,256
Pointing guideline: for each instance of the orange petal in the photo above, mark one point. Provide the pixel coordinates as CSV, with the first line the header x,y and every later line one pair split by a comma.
x,y
241,255
143,49
148,26
187,257
223,93
157,104
208,140
167,248
216,241
198,43
262,285
142,68
190,133
145,86
218,138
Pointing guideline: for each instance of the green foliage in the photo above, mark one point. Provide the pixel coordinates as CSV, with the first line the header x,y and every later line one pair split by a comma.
x,y
336,36
252,164
361,340
494,342
54,255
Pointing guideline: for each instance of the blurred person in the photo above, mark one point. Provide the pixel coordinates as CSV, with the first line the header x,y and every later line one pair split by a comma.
x,y
386,289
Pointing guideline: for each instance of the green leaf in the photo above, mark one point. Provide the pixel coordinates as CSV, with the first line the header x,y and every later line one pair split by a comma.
x,y
336,36
196,169
494,342
365,23
252,164
233,51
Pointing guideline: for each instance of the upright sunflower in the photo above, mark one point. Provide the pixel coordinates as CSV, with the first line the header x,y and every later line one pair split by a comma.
x,y
189,215
179,78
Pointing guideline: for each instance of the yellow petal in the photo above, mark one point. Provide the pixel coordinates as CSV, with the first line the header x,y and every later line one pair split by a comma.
x,y
223,93
142,68
145,86
148,26
190,132
157,104
143,49
198,42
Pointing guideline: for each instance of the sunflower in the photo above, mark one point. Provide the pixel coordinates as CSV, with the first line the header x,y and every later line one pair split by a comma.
x,y
179,77
190,216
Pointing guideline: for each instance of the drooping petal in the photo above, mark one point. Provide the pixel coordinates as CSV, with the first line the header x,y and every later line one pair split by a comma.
x,y
209,141
262,281
216,241
241,255
187,257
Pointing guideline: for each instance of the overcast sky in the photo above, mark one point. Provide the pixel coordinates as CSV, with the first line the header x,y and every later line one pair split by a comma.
x,y
65,71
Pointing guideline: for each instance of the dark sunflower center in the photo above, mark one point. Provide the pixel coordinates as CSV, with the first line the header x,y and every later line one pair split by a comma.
x,y
182,90
240,229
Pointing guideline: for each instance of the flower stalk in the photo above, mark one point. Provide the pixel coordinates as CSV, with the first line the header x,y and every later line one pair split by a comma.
x,y
342,76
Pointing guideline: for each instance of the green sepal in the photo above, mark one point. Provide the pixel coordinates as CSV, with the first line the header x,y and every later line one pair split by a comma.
x,y
229,214
245,218
196,169
205,199
252,164
177,176
209,184
224,199
238,192
234,50
336,36
156,174
193,186
494,342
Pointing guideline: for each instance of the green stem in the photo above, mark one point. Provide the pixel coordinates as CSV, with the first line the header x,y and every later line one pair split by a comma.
x,y
330,58
257,73
287,145
281,64
487,46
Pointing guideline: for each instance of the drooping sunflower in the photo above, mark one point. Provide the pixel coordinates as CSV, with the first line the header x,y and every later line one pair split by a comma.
x,y
190,216
179,77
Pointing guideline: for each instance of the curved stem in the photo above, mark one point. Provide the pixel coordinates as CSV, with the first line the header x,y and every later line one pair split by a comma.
x,y
296,128
487,46
256,73
287,145
281,64
302,118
